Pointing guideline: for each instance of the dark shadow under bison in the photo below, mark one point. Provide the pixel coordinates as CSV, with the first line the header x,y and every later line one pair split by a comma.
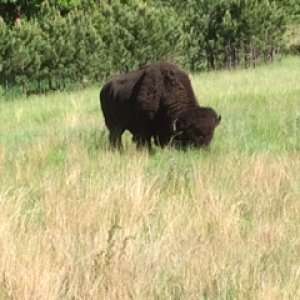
x,y
157,101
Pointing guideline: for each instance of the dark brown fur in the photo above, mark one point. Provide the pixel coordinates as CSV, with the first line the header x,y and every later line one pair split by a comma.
x,y
149,102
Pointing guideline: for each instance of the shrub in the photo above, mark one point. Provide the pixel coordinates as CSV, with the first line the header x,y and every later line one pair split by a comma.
x,y
76,42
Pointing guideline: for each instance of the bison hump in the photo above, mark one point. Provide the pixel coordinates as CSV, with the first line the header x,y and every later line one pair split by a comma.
x,y
125,87
150,93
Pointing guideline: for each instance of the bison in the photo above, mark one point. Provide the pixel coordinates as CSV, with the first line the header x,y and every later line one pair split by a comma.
x,y
157,101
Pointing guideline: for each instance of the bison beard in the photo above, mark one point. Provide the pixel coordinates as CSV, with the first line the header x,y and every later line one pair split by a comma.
x,y
156,101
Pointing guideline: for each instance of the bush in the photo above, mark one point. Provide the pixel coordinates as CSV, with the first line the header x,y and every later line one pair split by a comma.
x,y
82,42
86,45
227,33
20,54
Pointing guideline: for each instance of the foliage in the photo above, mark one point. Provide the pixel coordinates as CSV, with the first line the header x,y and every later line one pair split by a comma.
x,y
56,44
11,10
138,33
20,54
225,33
86,45
19,8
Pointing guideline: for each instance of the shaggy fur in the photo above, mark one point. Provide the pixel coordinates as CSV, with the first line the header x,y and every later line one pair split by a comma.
x,y
152,102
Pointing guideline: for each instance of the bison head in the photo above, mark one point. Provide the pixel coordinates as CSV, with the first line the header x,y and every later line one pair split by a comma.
x,y
195,127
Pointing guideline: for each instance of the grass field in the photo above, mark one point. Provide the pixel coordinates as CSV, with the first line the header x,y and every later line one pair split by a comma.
x,y
80,222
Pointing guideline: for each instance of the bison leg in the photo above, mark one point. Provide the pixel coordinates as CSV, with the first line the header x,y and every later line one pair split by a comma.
x,y
163,140
115,138
142,142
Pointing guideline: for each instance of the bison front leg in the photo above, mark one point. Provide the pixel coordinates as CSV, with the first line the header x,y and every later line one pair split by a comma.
x,y
115,138
143,142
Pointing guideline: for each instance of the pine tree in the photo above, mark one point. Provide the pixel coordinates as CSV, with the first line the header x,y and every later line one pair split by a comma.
x,y
59,48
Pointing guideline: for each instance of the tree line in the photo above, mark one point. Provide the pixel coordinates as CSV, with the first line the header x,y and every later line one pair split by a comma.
x,y
47,45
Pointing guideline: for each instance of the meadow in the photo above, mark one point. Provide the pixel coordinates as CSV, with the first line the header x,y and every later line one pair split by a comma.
x,y
78,221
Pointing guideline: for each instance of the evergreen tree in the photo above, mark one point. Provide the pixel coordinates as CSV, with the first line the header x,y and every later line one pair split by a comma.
x,y
58,55
84,41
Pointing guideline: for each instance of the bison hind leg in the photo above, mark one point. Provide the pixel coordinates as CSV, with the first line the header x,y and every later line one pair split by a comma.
x,y
115,137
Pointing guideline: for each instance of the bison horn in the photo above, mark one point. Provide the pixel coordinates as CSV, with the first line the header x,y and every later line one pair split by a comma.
x,y
174,126
219,119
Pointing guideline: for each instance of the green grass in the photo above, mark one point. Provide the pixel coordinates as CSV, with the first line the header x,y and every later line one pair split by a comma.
x,y
80,222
